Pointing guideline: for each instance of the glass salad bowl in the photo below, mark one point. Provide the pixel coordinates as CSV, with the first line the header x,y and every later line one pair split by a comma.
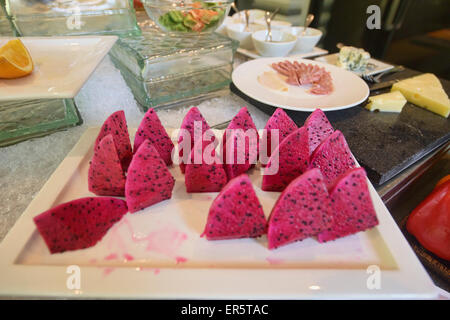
x,y
189,16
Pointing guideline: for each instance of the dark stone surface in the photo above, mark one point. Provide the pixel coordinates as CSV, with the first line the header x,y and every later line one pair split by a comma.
x,y
383,143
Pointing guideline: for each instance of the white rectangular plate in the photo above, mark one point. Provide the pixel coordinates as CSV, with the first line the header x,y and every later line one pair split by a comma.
x,y
158,253
374,66
314,53
61,66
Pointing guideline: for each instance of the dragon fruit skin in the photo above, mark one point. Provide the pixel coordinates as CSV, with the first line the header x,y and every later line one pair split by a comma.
x,y
204,176
106,177
189,120
302,210
236,212
318,128
278,121
116,124
243,121
352,206
80,223
152,129
148,179
333,157
292,158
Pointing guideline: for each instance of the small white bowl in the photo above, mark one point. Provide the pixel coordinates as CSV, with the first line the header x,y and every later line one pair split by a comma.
x,y
237,32
307,42
275,24
282,43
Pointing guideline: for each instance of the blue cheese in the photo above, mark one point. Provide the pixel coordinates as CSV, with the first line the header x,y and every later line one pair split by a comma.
x,y
353,59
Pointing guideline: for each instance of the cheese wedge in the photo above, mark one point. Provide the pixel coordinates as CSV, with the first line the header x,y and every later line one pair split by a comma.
x,y
425,91
387,102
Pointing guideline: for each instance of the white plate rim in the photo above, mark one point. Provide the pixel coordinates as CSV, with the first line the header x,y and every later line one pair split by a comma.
x,y
409,281
244,89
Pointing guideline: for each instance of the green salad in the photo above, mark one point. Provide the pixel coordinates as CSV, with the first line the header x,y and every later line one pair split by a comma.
x,y
203,16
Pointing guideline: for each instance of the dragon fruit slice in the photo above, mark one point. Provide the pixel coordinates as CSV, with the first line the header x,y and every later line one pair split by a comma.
x,y
188,123
80,223
318,128
302,210
148,179
206,176
152,129
278,121
116,124
241,129
292,159
352,206
106,177
236,212
333,157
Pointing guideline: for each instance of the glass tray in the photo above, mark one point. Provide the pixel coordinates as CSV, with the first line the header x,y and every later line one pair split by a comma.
x,y
163,69
25,119
5,24
75,17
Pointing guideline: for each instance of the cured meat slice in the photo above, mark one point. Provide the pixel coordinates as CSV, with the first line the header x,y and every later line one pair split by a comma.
x,y
299,74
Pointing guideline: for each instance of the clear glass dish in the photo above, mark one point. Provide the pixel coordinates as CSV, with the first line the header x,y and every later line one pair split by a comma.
x,y
162,70
75,17
190,16
5,24
25,119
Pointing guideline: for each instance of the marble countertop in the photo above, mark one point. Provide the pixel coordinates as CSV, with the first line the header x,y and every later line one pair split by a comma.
x,y
25,167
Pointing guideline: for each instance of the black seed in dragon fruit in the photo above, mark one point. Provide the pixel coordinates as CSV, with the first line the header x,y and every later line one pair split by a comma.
x,y
116,125
148,179
206,176
106,177
318,129
287,162
236,212
302,210
241,128
352,207
278,121
152,129
188,123
333,157
80,223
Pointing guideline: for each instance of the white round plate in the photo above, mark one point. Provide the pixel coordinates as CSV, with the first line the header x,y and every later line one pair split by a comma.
x,y
349,89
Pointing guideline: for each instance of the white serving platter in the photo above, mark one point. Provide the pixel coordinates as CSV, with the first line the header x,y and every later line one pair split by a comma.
x,y
61,66
158,253
349,89
294,54
373,67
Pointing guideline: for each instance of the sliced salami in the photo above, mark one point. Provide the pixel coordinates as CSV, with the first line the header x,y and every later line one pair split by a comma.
x,y
299,74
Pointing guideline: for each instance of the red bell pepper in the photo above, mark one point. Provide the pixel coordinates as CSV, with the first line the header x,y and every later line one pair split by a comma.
x,y
137,4
430,221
